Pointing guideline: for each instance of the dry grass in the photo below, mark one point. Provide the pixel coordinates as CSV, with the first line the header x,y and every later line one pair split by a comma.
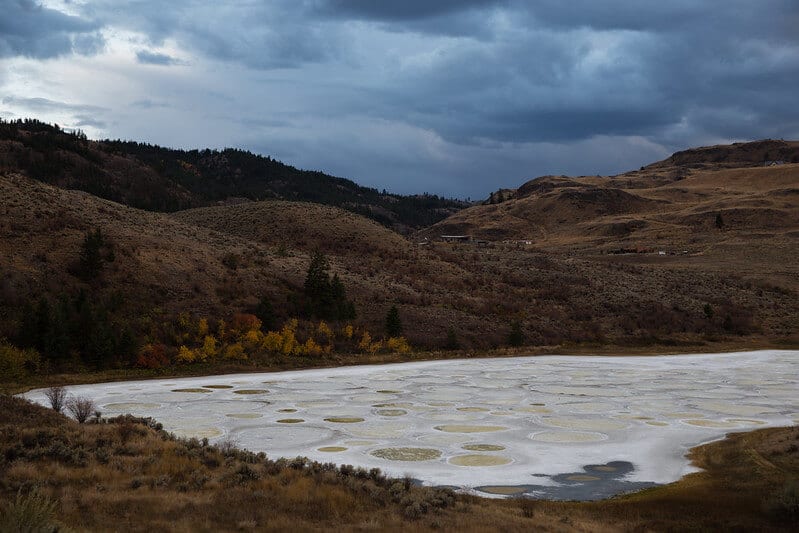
x,y
129,475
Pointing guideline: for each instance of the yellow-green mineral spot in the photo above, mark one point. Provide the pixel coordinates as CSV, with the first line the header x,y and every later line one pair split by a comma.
x,y
290,421
191,390
287,410
386,391
332,449
483,447
218,386
392,412
244,415
479,460
462,428
407,454
472,409
605,468
344,419
250,391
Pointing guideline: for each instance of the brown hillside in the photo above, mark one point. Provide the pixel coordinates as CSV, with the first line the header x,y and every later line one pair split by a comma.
x,y
300,225
565,287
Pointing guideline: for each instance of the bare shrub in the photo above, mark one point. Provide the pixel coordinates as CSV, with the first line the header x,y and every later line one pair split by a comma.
x,y
57,397
81,408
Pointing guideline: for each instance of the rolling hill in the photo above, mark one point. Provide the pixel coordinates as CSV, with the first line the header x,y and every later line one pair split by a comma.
x,y
580,280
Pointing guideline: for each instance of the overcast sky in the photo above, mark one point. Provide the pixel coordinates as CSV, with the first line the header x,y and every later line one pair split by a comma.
x,y
451,97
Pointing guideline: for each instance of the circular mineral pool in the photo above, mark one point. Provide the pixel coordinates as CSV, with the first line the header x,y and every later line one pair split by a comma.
x,y
568,436
407,454
218,386
192,390
332,449
483,447
392,412
462,428
604,468
479,460
199,433
244,416
588,424
290,421
344,419
250,391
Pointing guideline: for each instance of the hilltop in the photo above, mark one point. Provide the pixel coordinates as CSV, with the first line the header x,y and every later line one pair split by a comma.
x,y
162,179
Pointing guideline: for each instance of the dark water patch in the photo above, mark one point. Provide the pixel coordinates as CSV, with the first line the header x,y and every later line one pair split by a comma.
x,y
595,482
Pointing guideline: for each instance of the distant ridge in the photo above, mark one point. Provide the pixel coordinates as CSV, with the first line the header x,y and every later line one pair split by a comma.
x,y
155,178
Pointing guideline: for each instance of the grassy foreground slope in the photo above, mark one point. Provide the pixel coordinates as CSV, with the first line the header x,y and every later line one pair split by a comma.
x,y
126,474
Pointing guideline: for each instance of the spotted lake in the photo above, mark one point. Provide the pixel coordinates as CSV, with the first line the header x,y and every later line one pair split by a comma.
x,y
573,427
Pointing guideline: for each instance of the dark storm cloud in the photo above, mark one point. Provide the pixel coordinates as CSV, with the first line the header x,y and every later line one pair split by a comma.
x,y
261,35
401,11
30,30
462,93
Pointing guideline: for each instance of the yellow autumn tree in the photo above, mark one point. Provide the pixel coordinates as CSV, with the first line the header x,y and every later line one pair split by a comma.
x,y
272,342
235,351
253,339
365,342
288,334
202,328
186,355
348,331
311,348
398,345
209,350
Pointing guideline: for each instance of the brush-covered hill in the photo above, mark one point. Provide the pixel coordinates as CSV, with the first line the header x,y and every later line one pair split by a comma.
x,y
694,199
736,284
162,179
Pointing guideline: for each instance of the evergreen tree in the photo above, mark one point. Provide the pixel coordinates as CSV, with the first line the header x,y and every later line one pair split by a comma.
x,y
393,322
452,340
28,331
317,286
91,258
266,314
43,325
325,297
516,337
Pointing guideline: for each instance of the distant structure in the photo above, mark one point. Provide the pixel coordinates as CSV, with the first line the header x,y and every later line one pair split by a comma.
x,y
456,238
773,163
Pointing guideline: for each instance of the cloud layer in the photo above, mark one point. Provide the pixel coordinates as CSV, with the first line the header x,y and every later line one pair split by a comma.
x,y
453,97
